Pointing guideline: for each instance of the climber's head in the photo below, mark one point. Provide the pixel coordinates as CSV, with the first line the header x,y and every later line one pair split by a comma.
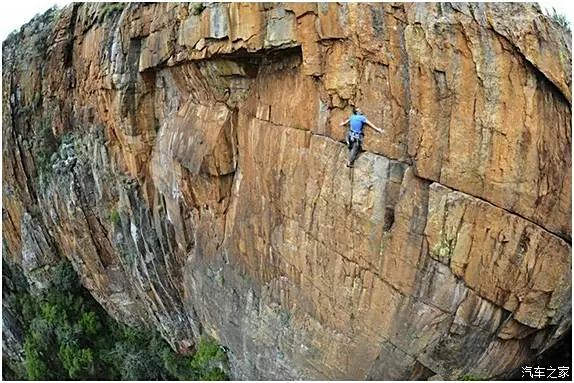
x,y
357,111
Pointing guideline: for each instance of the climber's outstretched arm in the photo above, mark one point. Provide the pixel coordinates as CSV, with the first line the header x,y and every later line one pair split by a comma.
x,y
370,124
344,122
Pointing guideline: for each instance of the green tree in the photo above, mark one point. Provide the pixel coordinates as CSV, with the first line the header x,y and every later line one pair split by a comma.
x,y
208,360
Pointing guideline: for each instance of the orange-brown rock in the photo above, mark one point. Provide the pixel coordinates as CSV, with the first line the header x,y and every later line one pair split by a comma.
x,y
190,164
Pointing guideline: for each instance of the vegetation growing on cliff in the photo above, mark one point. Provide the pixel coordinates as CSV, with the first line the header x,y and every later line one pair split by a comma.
x,y
197,8
114,216
109,9
560,19
44,146
67,335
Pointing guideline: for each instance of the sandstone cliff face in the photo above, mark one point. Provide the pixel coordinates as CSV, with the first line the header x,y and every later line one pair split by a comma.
x,y
195,178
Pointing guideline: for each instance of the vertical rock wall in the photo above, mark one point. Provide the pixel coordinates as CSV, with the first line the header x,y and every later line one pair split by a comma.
x,y
189,162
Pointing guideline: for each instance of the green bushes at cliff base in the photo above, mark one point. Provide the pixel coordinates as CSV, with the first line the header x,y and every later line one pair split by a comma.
x,y
67,335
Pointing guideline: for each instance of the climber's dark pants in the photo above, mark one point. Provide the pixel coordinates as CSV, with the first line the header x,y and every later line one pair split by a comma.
x,y
354,149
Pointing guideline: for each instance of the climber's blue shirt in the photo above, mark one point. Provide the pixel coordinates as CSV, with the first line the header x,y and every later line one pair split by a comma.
x,y
357,121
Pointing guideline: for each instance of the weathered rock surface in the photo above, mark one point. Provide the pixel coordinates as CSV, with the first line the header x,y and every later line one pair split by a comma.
x,y
189,163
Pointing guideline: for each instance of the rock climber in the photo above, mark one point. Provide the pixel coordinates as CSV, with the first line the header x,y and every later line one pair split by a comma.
x,y
355,133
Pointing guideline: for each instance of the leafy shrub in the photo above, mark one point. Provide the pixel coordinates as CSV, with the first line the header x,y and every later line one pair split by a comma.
x,y
206,364
197,9
79,362
44,145
109,9
89,323
114,216
207,361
